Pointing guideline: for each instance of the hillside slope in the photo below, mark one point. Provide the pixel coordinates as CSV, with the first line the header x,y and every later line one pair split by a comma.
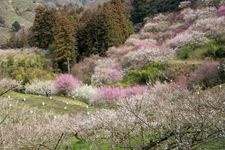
x,y
13,10
23,11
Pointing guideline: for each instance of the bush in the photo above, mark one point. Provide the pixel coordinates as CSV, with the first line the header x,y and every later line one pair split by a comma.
x,y
16,26
213,48
221,11
84,92
205,76
45,88
151,72
179,69
65,83
26,67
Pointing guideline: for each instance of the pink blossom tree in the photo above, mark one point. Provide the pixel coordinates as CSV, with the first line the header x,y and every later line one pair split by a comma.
x,y
65,83
221,11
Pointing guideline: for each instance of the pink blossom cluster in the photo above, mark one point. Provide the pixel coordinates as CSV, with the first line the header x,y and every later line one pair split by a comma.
x,y
179,17
65,83
108,94
221,11
113,74
107,70
206,75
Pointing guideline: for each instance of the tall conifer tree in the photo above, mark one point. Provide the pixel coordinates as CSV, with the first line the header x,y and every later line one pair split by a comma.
x,y
63,48
42,29
110,26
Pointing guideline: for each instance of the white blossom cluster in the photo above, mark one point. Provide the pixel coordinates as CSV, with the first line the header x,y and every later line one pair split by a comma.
x,y
166,108
146,55
205,23
45,88
9,84
84,92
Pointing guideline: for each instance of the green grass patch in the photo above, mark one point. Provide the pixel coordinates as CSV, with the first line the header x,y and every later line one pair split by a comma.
x,y
87,145
57,104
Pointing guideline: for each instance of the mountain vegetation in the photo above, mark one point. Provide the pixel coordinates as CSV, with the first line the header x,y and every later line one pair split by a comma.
x,y
117,74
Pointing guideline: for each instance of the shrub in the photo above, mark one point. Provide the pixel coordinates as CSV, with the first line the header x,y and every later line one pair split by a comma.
x,y
65,83
84,92
211,48
206,75
180,70
151,72
45,88
221,11
16,26
26,67
109,94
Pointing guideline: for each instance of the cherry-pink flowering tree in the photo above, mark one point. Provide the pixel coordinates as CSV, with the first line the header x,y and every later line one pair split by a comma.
x,y
221,11
65,83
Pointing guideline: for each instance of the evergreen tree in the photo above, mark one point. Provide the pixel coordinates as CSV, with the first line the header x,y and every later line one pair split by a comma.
x,y
42,29
144,8
16,26
63,47
109,26
82,32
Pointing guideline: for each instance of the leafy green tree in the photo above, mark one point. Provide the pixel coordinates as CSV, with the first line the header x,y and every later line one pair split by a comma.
x,y
42,29
26,67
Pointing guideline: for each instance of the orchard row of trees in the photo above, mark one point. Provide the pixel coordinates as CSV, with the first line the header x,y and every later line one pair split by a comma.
x,y
70,34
